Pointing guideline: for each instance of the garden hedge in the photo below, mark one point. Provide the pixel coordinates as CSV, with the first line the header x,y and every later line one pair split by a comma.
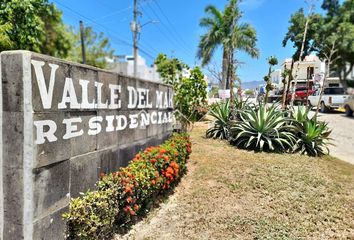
x,y
122,196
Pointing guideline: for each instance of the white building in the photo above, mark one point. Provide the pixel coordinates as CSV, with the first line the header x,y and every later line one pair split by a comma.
x,y
125,65
275,77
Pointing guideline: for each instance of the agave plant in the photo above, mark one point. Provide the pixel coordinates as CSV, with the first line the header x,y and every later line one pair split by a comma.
x,y
313,138
313,135
300,114
221,113
263,129
240,105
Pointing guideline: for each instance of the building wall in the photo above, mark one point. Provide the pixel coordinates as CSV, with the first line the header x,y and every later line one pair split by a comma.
x,y
125,66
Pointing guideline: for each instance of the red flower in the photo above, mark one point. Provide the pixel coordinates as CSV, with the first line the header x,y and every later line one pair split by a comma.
x,y
132,212
153,161
126,209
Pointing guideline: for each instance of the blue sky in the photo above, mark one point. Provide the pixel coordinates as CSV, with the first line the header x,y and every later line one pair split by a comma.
x,y
178,31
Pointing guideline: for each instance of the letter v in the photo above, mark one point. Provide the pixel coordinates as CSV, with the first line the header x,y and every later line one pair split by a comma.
x,y
46,94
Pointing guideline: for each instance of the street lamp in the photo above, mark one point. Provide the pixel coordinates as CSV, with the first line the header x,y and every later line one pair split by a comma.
x,y
135,28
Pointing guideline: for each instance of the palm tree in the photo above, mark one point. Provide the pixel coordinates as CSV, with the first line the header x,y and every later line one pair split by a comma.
x,y
225,30
212,39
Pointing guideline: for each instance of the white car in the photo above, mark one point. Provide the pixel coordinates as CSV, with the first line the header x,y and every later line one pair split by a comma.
x,y
332,98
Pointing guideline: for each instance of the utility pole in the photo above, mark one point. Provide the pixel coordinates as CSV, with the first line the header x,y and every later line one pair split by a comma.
x,y
135,29
82,32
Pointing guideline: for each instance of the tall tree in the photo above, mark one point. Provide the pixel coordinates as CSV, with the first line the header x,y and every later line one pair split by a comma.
x,y
300,32
34,25
330,35
212,39
225,30
97,47
345,30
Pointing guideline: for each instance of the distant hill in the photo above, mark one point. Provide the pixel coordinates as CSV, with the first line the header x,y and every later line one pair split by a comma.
x,y
252,85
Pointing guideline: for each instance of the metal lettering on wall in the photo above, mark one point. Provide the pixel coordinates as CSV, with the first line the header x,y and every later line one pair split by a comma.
x,y
136,98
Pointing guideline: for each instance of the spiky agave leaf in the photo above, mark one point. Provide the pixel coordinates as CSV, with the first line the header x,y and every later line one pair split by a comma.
x,y
263,129
313,138
221,113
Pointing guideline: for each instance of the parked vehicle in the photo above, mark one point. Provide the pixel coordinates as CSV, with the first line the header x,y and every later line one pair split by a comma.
x,y
349,105
333,98
300,94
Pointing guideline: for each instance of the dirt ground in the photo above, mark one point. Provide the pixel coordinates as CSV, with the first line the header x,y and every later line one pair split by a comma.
x,y
236,194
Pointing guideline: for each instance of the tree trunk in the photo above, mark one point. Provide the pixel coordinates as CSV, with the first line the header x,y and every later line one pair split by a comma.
x,y
289,83
301,52
230,79
224,84
307,87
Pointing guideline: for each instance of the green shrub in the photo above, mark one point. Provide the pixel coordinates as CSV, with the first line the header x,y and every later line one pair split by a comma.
x,y
263,129
122,196
92,216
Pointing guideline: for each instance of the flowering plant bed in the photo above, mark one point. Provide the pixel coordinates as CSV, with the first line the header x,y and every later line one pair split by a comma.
x,y
124,195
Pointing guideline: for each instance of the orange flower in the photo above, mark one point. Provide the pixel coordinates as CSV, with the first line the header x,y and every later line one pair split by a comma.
x,y
153,182
163,151
136,207
166,158
128,190
129,199
169,170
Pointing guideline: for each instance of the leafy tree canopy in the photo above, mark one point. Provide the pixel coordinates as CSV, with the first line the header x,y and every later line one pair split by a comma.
x,y
330,35
169,69
97,47
34,25
191,94
295,32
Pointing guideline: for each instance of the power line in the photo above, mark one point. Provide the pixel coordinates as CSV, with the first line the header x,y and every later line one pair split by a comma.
x,y
120,40
168,20
124,42
113,13
172,40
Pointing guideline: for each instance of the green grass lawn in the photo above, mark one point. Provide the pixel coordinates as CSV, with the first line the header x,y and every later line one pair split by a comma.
x,y
235,194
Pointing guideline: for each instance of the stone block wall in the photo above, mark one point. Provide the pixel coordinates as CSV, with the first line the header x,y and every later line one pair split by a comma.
x,y
62,124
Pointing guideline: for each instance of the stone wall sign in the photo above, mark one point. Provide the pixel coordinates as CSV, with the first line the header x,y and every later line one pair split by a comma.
x,y
62,124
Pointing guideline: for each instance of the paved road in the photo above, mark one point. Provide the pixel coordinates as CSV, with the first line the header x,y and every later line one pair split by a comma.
x,y
342,133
